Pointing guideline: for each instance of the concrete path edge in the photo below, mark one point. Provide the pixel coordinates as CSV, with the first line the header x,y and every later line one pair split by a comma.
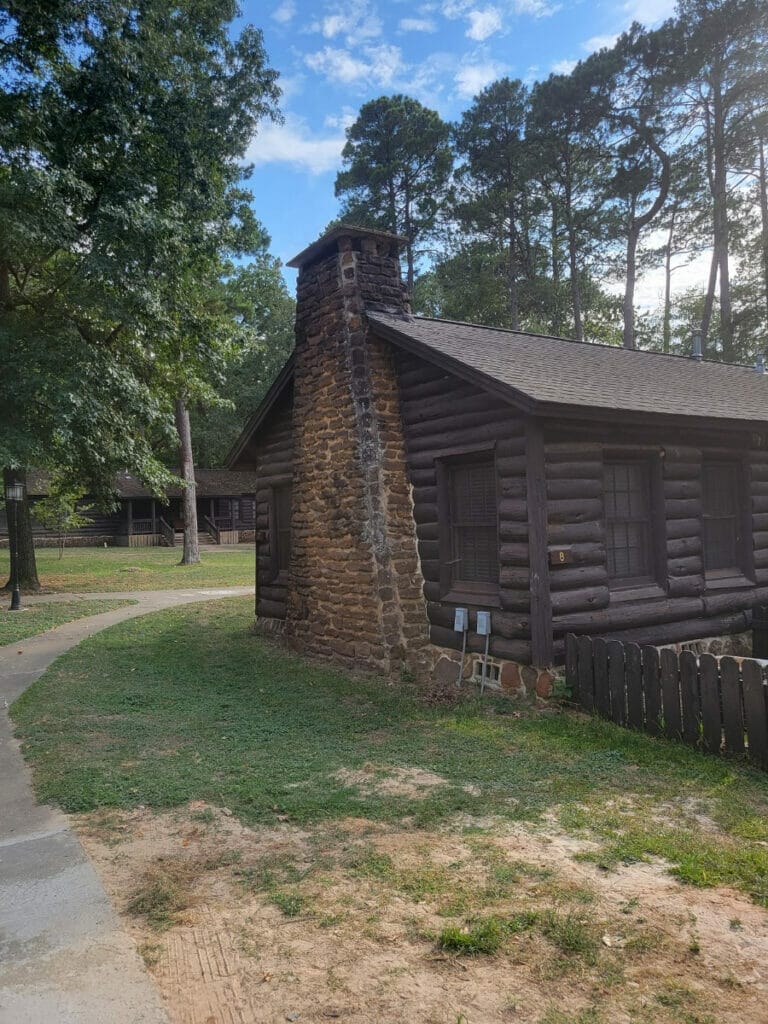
x,y
64,958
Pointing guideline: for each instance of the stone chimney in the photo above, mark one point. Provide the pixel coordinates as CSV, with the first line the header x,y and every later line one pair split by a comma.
x,y
355,590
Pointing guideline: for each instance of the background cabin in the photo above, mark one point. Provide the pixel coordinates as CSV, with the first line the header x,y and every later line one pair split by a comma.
x,y
408,467
226,510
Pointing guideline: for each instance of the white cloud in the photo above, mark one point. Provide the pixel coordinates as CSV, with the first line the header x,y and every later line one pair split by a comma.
x,y
342,120
379,64
291,143
595,43
483,24
649,12
285,12
354,26
417,25
536,8
564,67
474,75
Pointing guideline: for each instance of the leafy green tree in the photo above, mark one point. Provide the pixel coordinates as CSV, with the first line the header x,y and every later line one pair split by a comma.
x,y
493,195
121,138
566,133
726,54
264,311
63,510
397,164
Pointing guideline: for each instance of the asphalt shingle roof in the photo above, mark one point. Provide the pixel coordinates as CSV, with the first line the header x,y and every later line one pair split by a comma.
x,y
557,371
211,483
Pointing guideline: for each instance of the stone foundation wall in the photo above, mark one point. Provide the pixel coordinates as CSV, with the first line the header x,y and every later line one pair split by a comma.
x,y
355,593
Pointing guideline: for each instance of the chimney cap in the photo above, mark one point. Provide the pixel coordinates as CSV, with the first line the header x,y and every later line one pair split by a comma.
x,y
324,244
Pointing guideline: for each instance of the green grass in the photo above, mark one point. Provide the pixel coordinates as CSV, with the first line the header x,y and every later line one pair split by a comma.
x,y
188,704
36,618
94,570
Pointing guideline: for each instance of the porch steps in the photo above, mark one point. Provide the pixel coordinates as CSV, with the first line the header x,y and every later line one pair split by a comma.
x,y
203,539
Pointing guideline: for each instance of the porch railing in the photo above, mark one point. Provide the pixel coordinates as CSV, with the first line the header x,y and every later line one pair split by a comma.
x,y
142,526
167,532
211,529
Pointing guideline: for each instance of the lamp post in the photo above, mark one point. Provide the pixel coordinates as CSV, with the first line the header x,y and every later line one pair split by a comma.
x,y
14,494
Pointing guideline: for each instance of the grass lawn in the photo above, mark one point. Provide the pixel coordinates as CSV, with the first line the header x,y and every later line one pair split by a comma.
x,y
37,618
209,712
94,570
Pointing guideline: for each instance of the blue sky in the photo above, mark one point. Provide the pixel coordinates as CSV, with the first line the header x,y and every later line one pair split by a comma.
x,y
332,57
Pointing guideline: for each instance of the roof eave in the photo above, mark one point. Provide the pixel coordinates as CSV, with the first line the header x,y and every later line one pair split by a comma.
x,y
266,405
519,399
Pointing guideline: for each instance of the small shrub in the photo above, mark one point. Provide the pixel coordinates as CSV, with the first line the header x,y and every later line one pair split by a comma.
x,y
164,891
572,933
486,935
291,903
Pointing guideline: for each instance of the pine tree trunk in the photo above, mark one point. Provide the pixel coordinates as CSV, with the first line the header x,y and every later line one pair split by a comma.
x,y
512,292
629,289
667,326
20,520
763,186
709,301
720,219
191,554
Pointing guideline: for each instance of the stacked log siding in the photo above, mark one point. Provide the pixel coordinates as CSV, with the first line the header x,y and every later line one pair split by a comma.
x,y
273,462
683,604
445,416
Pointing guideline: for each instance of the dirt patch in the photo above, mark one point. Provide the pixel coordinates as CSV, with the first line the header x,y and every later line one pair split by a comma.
x,y
383,780
349,922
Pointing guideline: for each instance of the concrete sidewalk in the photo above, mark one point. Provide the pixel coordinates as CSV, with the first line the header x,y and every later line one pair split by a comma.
x,y
63,956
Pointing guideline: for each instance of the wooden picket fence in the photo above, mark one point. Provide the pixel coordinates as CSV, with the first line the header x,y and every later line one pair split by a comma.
x,y
716,704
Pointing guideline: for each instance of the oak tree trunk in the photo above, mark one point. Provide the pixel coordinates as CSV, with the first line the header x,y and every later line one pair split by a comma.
x,y
20,521
191,553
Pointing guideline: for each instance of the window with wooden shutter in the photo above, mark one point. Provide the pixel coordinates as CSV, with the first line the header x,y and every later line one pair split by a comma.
x,y
628,521
721,528
473,515
280,540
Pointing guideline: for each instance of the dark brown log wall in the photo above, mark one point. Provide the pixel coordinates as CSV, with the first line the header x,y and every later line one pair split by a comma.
x,y
272,458
442,416
685,605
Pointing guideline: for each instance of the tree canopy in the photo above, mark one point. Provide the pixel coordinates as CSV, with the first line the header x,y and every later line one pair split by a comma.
x,y
122,134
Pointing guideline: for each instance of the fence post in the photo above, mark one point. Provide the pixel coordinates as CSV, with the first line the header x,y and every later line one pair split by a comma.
x,y
760,631
572,665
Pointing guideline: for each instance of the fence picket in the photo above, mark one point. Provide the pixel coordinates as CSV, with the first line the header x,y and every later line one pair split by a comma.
x,y
633,668
615,651
730,692
755,711
586,674
602,691
689,694
652,690
572,664
718,704
710,704
670,694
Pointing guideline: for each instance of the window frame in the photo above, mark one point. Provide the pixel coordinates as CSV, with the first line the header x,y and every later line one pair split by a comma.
x,y
452,589
654,583
278,574
744,568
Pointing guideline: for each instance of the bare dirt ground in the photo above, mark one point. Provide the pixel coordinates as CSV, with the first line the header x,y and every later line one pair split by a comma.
x,y
343,921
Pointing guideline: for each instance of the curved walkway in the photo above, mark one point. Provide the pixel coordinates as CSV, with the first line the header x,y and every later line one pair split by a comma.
x,y
63,956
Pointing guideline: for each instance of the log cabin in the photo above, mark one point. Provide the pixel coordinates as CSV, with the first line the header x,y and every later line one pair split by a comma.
x,y
226,508
408,467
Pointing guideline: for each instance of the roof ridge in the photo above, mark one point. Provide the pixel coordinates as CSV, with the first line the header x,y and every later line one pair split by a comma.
x,y
555,337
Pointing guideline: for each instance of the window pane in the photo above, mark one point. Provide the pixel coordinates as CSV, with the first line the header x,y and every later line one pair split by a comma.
x,y
626,496
720,481
474,534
